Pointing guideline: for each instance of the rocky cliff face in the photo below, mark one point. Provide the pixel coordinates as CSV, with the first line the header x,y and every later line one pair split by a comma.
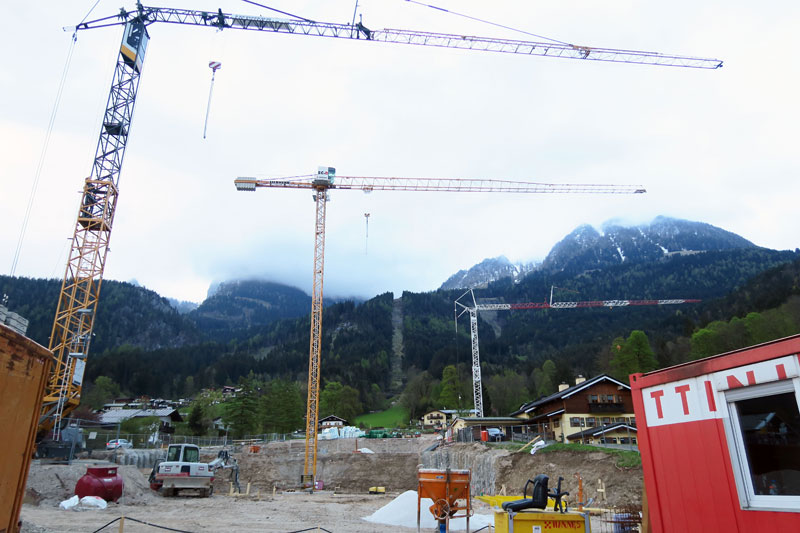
x,y
485,272
586,248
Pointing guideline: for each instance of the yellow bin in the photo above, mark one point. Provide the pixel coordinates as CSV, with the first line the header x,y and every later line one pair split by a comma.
x,y
535,521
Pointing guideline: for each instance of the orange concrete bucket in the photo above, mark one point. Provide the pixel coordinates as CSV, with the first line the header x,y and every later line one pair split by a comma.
x,y
449,490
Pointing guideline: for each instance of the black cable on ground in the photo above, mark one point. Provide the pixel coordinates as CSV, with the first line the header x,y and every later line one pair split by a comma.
x,y
148,524
105,526
157,526
311,529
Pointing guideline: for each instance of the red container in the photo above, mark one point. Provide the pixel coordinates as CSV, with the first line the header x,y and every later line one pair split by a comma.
x,y
484,436
719,440
103,482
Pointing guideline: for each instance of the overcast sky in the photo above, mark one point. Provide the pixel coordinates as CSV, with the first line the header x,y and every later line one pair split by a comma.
x,y
717,146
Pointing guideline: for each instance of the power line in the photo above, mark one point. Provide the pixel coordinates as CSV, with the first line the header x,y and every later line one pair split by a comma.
x,y
43,155
486,21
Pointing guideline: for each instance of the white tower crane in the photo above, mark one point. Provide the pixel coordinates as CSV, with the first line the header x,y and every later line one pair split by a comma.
x,y
463,303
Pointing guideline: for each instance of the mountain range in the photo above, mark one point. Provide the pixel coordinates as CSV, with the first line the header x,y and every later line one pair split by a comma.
x,y
488,270
262,326
586,248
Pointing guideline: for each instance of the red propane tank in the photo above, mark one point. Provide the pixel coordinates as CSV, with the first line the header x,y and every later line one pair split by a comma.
x,y
103,482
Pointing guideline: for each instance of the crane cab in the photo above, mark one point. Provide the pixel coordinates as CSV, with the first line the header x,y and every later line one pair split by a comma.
x,y
325,176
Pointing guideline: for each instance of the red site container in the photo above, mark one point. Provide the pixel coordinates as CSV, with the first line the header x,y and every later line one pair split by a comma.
x,y
484,436
720,441
103,482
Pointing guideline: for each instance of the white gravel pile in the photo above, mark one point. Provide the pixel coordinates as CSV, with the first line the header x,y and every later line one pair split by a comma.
x,y
402,511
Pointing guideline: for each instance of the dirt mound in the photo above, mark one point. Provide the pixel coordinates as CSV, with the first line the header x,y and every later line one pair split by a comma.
x,y
622,486
494,469
344,472
49,485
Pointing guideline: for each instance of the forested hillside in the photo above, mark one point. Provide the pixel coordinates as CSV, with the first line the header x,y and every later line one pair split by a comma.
x,y
356,345
748,294
242,304
128,314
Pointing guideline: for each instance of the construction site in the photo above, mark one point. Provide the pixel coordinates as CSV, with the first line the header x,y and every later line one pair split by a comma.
x,y
270,500
562,475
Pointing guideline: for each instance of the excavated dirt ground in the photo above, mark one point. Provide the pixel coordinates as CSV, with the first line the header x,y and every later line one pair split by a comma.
x,y
347,477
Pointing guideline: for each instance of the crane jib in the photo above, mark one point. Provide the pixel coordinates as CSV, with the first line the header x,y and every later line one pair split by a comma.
x,y
220,20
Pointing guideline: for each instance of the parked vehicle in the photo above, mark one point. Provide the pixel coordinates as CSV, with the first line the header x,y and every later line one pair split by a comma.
x,y
495,434
113,444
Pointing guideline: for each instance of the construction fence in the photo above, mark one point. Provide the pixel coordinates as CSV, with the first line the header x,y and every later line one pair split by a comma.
x,y
97,439
623,520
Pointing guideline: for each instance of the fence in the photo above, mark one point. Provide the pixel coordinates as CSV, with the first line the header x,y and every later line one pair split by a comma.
x,y
622,520
96,439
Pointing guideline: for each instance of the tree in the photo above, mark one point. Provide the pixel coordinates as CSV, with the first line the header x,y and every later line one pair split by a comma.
x,y
339,400
196,423
283,406
634,355
449,396
704,343
103,391
545,379
507,391
242,413
188,387
416,397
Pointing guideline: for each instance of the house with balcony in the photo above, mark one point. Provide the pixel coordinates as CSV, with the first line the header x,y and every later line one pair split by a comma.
x,y
596,410
441,418
331,421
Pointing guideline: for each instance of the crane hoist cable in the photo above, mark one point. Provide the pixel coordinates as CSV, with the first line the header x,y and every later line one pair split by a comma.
x,y
43,156
214,66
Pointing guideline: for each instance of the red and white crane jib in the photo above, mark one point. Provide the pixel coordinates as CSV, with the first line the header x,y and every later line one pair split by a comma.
x,y
435,185
581,304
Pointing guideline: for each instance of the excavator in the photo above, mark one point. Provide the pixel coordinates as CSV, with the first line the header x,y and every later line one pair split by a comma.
x,y
182,470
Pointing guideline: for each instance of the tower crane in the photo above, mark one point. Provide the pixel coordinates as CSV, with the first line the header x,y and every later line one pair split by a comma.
x,y
477,392
326,180
71,334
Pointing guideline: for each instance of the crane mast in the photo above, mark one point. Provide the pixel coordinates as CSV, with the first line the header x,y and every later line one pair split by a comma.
x,y
472,310
325,180
77,306
80,290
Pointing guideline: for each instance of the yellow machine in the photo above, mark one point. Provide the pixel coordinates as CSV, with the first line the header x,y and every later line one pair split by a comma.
x,y
533,521
528,514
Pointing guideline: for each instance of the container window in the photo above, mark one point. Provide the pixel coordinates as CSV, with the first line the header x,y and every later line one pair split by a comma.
x,y
765,432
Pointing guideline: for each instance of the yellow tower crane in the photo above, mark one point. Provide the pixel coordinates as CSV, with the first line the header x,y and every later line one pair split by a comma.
x,y
325,180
